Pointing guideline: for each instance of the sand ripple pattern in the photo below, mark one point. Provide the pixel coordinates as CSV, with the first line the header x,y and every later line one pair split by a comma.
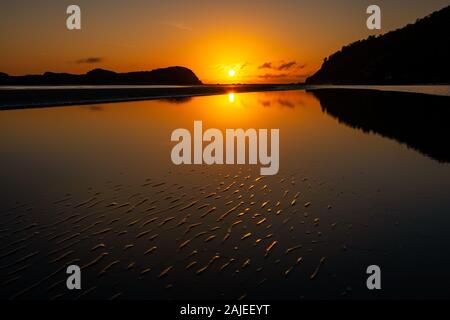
x,y
223,229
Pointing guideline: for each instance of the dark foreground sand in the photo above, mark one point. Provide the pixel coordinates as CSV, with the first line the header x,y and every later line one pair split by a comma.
x,y
43,97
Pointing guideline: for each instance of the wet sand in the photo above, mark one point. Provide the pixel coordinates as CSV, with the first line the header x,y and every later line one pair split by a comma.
x,y
237,227
103,194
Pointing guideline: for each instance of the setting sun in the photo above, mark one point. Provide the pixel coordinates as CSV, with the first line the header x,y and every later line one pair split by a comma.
x,y
231,73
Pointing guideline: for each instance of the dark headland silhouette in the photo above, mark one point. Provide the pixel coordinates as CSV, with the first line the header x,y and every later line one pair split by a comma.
x,y
416,54
164,76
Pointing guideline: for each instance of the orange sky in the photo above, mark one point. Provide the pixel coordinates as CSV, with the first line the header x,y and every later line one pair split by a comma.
x,y
263,41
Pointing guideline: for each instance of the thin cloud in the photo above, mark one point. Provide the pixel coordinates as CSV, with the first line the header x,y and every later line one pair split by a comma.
x,y
266,65
286,66
244,65
272,75
280,66
238,66
90,60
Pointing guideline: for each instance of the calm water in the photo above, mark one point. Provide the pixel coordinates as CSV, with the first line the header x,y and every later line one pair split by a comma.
x,y
364,179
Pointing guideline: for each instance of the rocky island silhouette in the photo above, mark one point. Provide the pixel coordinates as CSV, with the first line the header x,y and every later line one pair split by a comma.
x,y
163,76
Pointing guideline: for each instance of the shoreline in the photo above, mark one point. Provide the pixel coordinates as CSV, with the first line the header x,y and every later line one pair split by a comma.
x,y
41,97
44,97
427,89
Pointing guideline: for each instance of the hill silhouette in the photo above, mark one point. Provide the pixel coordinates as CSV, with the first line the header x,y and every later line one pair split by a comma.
x,y
417,53
165,76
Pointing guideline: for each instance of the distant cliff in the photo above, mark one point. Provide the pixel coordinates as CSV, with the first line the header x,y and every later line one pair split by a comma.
x,y
417,53
165,76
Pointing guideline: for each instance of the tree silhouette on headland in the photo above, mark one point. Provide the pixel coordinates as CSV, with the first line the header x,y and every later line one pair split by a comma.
x,y
417,53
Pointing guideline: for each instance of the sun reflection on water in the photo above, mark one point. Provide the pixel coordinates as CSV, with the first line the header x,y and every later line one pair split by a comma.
x,y
231,97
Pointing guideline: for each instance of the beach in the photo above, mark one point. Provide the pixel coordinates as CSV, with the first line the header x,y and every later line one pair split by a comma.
x,y
94,186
